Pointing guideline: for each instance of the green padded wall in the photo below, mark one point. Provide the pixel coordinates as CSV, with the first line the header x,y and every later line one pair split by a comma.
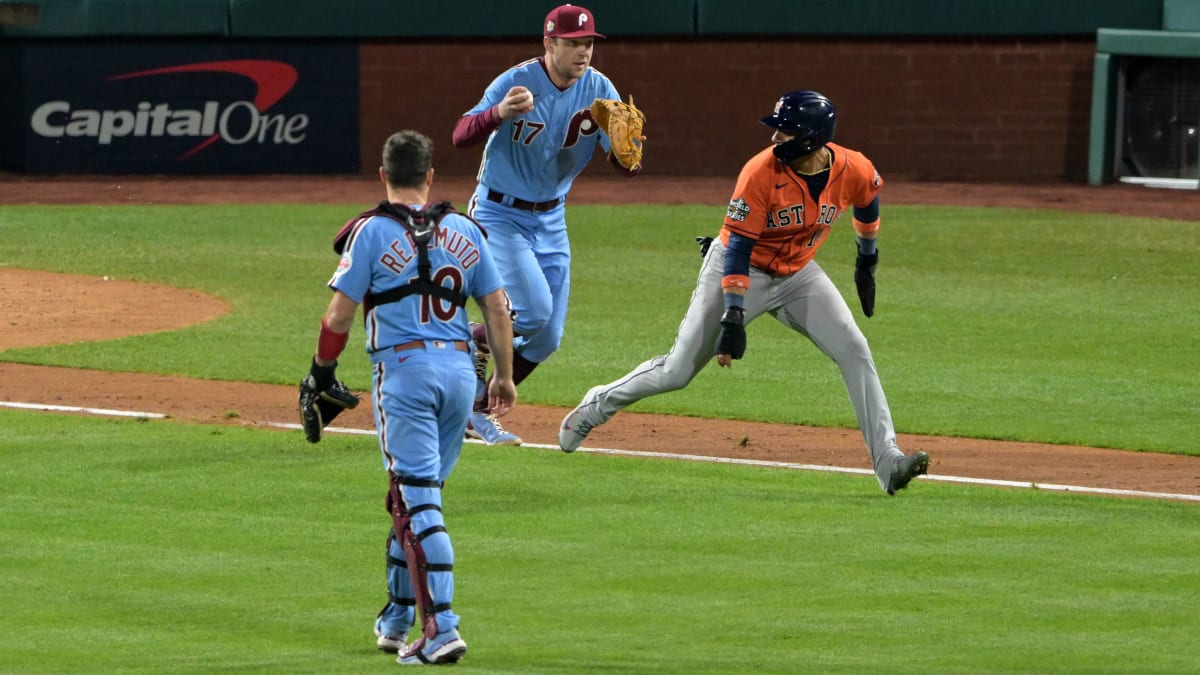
x,y
924,17
86,18
1182,15
1169,44
53,19
518,19
465,18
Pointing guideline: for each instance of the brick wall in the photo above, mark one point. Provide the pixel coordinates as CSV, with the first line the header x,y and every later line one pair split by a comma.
x,y
970,109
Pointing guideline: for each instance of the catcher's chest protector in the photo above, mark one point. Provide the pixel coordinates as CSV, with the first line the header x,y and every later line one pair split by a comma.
x,y
420,224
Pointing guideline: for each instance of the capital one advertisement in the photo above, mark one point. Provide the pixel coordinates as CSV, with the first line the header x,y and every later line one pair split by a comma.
x,y
188,109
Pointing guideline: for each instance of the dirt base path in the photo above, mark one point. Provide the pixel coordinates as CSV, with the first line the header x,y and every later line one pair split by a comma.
x,y
29,319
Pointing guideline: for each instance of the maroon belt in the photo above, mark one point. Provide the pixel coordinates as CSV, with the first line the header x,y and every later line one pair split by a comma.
x,y
460,345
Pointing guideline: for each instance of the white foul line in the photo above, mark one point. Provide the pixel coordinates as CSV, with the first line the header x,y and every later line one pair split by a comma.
x,y
71,408
1053,487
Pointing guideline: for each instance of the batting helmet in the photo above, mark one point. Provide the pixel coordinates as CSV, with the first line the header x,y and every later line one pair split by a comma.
x,y
808,116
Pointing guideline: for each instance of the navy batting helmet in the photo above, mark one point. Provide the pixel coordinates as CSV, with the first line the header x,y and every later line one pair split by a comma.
x,y
808,116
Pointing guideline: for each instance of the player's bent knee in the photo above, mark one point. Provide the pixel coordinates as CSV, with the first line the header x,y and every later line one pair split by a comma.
x,y
673,378
857,347
530,326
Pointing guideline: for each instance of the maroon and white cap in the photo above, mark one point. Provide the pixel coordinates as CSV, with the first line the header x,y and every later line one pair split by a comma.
x,y
570,21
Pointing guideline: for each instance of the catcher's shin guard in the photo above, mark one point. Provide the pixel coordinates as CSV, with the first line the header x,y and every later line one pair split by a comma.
x,y
429,512
397,616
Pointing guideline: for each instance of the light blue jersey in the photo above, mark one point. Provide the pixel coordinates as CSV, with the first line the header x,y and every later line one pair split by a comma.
x,y
423,382
379,255
536,156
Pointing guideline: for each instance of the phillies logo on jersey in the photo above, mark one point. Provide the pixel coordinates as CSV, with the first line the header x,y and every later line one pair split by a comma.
x,y
236,123
581,125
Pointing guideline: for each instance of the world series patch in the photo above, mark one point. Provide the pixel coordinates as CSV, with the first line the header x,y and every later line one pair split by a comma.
x,y
738,210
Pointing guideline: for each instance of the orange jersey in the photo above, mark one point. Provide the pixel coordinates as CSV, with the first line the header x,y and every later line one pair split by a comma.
x,y
772,205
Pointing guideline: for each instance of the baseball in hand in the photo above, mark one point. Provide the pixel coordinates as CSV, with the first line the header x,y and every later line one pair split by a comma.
x,y
522,99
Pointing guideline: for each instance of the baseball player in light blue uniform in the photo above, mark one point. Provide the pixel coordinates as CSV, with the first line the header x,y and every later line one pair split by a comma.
x,y
540,135
412,266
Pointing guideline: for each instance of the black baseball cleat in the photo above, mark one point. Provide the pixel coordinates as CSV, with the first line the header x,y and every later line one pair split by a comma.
x,y
906,469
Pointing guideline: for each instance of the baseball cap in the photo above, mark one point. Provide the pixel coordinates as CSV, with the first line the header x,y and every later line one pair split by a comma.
x,y
570,21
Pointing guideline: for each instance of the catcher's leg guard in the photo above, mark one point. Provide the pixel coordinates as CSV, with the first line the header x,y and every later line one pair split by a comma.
x,y
398,615
427,551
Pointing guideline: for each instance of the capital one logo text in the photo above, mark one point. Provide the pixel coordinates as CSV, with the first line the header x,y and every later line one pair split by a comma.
x,y
236,122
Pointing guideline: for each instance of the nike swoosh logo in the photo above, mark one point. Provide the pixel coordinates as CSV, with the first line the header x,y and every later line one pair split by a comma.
x,y
780,185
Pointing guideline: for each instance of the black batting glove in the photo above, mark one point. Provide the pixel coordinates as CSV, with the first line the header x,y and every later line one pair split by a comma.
x,y
704,243
864,280
733,333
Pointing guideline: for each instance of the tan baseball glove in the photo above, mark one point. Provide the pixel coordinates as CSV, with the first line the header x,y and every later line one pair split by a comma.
x,y
623,123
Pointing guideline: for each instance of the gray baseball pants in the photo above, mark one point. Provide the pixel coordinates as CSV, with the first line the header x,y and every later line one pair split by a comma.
x,y
808,303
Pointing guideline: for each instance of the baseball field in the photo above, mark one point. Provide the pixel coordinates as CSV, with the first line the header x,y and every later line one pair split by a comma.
x,y
160,516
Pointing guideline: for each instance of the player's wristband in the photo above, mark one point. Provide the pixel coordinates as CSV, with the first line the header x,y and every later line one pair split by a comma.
x,y
735,281
330,344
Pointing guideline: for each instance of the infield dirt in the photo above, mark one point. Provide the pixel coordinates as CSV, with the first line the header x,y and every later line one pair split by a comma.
x,y
42,307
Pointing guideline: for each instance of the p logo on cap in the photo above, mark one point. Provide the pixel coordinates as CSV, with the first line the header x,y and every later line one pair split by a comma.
x,y
570,21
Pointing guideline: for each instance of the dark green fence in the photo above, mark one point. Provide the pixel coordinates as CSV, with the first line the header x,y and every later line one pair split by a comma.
x,y
616,18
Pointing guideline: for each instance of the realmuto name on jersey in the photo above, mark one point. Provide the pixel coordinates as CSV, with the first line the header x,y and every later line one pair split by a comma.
x,y
237,123
398,257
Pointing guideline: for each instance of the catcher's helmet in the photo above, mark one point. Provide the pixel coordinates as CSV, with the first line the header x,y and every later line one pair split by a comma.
x,y
808,116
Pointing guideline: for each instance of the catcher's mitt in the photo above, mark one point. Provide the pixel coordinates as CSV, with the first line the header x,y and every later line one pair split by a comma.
x,y
322,398
623,123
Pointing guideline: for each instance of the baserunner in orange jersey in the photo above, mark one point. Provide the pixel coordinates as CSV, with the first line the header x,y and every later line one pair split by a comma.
x,y
786,199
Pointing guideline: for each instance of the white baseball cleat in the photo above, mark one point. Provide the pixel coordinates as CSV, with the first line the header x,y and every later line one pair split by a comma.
x,y
488,429
389,643
445,648
579,422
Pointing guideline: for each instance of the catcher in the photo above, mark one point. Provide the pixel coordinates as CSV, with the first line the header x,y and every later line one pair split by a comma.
x,y
413,265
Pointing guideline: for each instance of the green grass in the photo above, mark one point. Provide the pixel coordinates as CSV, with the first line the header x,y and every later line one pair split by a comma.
x,y
991,323
156,546
133,546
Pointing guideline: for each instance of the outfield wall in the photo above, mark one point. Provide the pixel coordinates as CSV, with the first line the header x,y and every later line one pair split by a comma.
x,y
937,89
990,109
